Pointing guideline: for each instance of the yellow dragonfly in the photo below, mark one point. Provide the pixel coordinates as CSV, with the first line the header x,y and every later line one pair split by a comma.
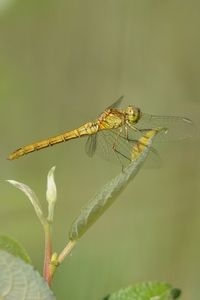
x,y
116,132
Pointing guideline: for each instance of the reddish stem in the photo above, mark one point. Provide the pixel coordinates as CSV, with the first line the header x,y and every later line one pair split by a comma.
x,y
47,274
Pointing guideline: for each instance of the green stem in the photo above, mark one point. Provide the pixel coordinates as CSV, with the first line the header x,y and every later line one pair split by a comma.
x,y
66,251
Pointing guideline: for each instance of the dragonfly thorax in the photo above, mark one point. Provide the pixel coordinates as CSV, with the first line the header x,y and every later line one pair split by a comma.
x,y
132,114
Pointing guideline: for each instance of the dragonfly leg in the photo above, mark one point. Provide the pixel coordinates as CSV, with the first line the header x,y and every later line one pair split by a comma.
x,y
138,144
118,153
138,129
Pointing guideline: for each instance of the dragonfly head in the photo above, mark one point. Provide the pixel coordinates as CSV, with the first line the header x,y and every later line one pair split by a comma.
x,y
133,114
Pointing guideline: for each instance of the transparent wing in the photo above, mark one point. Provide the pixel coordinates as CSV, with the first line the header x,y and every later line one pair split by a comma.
x,y
91,145
115,146
178,128
116,103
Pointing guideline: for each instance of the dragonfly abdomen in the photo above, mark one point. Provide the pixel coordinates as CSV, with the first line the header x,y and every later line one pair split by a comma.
x,y
36,146
87,129
28,149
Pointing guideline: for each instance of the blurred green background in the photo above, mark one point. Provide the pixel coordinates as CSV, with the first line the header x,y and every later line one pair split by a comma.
x,y
61,64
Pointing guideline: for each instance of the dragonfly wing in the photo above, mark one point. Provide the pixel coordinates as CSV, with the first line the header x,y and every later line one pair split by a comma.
x,y
177,128
106,139
91,145
116,103
104,142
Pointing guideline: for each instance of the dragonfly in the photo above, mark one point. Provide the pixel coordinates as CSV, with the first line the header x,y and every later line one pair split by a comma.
x,y
116,131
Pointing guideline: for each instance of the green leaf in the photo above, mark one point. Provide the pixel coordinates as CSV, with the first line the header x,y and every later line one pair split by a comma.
x,y
32,198
146,291
19,280
13,247
108,194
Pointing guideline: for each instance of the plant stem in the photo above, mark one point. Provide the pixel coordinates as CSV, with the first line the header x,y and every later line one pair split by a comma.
x,y
66,251
47,274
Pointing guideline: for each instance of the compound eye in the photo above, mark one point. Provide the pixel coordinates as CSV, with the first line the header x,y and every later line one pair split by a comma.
x,y
133,114
129,111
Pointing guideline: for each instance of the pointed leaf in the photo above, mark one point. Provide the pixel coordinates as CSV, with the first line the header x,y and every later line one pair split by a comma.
x,y
51,193
31,196
108,194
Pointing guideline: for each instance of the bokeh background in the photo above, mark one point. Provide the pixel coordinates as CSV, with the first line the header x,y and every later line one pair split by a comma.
x,y
61,64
